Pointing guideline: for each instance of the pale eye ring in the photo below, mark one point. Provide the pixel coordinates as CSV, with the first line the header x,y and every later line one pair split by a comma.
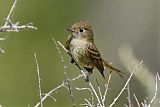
x,y
81,30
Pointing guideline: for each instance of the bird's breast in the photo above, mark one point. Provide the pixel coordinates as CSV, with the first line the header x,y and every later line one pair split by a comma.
x,y
78,47
78,50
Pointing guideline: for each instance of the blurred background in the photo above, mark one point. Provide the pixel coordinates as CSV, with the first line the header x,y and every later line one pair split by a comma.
x,y
125,31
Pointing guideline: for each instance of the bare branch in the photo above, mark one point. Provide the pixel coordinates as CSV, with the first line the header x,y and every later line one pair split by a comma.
x,y
10,12
50,93
77,77
9,26
155,94
15,27
129,96
65,73
90,92
63,84
51,97
99,89
106,89
114,101
88,102
136,100
39,80
95,93
146,102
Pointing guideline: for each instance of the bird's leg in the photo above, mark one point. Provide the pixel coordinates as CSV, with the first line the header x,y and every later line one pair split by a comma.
x,y
72,60
89,71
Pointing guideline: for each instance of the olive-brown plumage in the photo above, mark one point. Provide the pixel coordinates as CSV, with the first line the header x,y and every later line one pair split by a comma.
x,y
81,45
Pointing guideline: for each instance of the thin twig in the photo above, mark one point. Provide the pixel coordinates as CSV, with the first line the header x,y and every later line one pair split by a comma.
x,y
86,105
88,102
99,89
10,12
39,80
65,73
95,93
136,100
63,84
106,89
90,92
114,101
77,77
155,94
14,27
51,97
129,95
71,93
50,93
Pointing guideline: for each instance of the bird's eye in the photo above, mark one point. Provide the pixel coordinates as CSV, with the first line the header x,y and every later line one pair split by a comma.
x,y
81,30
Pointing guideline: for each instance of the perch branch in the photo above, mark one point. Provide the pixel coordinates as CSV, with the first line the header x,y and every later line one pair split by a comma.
x,y
65,73
63,84
81,69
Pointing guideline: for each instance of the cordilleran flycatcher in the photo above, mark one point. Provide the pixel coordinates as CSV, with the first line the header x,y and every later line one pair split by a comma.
x,y
81,45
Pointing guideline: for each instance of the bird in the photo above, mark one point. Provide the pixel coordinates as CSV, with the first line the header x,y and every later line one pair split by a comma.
x,y
80,44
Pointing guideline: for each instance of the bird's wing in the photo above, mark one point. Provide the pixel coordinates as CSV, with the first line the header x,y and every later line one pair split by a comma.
x,y
70,37
68,42
95,56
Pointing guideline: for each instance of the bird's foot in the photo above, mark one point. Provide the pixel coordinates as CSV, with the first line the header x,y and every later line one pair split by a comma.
x,y
86,77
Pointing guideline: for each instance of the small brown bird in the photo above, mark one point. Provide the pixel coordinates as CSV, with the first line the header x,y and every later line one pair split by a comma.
x,y
81,45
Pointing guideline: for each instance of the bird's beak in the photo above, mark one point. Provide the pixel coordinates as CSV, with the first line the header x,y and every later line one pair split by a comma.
x,y
69,30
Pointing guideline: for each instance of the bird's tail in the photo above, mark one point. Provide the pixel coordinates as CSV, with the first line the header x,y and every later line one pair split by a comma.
x,y
115,70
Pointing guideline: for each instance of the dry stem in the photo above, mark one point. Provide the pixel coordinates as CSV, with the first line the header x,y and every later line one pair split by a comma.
x,y
14,27
39,80
114,101
65,73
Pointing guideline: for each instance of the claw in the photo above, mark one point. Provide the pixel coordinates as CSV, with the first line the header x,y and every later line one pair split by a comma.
x,y
72,60
86,77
